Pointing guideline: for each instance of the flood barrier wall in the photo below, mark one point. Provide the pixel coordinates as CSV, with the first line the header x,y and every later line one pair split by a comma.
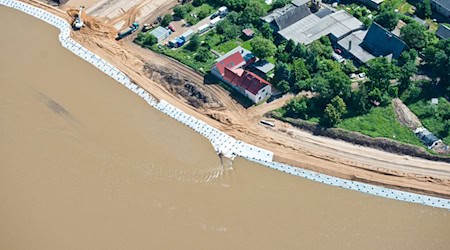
x,y
222,143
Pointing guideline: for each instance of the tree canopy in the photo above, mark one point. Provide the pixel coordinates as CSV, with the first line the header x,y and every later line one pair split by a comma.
x,y
262,47
413,34
388,19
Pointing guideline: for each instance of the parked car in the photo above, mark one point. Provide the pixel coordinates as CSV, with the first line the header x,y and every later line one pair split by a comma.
x,y
214,15
362,75
171,28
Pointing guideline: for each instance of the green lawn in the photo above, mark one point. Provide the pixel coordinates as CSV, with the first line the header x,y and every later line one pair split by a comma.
x,y
186,57
381,122
433,116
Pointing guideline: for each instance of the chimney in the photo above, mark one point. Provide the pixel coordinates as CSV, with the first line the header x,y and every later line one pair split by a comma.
x,y
349,45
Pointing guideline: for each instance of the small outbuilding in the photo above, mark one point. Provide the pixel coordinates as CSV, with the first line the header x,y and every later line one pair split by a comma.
x,y
248,33
160,33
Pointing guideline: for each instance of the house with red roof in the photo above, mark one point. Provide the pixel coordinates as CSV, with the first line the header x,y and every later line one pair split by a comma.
x,y
230,68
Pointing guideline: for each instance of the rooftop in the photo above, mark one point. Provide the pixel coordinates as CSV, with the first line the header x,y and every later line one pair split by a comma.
x,y
443,32
159,32
444,3
245,79
380,42
313,27
232,61
287,15
264,66
248,32
246,54
352,44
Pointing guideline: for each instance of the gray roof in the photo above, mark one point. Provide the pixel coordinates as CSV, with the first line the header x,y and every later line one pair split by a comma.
x,y
288,15
311,28
323,12
444,3
264,66
246,54
355,49
443,32
299,2
160,32
380,42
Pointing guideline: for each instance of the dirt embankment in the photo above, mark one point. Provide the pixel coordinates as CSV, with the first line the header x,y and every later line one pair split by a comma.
x,y
363,140
192,92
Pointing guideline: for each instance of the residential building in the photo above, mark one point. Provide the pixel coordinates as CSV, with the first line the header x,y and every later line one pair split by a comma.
x,y
282,18
442,7
230,68
443,32
364,45
160,33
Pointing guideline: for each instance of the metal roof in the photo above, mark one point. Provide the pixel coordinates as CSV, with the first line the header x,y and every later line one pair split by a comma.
x,y
160,32
443,3
244,53
443,32
312,27
352,44
264,66
380,42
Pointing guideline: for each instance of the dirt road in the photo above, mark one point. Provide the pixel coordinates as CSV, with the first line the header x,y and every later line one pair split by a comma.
x,y
289,145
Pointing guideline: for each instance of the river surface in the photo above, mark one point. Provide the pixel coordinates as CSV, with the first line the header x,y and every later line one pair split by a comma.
x,y
86,164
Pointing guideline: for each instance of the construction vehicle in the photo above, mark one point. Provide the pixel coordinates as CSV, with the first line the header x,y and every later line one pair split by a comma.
x,y
78,22
129,31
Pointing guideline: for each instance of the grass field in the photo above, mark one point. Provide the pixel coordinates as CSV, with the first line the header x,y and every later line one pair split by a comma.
x,y
381,122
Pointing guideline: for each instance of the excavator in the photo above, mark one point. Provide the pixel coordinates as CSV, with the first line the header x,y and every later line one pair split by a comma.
x,y
78,22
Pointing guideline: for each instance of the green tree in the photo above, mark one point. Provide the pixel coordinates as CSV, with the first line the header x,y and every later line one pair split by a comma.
x,y
299,72
146,39
203,55
388,19
360,101
237,5
282,72
380,72
297,107
335,83
253,12
413,34
290,46
262,47
197,3
437,57
194,43
333,112
406,72
279,3
266,31
204,12
282,86
424,9
228,30
166,20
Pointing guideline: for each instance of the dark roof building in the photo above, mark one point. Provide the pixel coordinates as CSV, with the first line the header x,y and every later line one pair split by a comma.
x,y
284,17
380,42
443,32
442,7
364,45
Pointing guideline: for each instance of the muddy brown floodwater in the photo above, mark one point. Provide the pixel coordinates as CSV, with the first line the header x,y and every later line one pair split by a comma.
x,y
86,164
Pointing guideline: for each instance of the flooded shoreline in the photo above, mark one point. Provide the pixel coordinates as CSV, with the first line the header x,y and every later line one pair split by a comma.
x,y
102,172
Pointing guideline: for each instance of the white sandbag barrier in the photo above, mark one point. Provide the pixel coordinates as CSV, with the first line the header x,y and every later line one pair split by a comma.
x,y
222,143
